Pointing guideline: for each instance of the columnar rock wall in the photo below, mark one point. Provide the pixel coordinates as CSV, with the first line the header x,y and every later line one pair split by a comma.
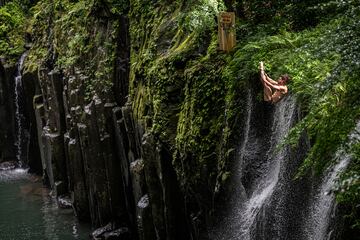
x,y
138,140
7,112
150,153
93,151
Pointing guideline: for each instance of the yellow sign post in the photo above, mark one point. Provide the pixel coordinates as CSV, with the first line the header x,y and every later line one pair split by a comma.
x,y
227,37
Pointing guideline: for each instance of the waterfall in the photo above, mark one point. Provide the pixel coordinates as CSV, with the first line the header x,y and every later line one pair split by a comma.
x,y
257,170
263,201
270,167
232,213
323,205
18,115
321,209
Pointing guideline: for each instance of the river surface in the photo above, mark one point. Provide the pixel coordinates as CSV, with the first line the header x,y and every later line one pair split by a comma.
x,y
27,212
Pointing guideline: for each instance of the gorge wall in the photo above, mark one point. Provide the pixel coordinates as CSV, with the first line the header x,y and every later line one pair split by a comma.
x,y
7,113
135,116
94,149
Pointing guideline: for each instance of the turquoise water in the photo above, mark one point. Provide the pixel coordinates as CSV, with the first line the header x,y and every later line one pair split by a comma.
x,y
27,212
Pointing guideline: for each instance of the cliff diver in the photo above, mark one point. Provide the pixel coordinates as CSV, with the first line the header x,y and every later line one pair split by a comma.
x,y
273,90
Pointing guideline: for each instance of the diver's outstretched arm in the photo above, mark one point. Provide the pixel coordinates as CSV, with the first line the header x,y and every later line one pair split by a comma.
x,y
262,73
270,80
267,89
264,76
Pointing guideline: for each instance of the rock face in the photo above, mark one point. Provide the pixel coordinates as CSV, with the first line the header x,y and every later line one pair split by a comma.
x,y
8,165
92,153
31,88
31,154
132,113
7,121
108,232
78,148
165,198
129,145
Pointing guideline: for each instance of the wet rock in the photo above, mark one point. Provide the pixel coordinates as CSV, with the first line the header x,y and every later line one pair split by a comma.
x,y
143,202
93,141
145,223
40,121
32,154
109,233
7,111
60,188
55,100
137,179
73,102
167,203
122,60
151,161
8,165
76,175
133,135
113,167
50,119
118,234
55,167
100,231
76,90
145,226
122,143
64,201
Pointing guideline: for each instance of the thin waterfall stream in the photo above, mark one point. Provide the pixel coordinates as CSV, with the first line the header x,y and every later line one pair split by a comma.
x,y
323,205
324,202
18,115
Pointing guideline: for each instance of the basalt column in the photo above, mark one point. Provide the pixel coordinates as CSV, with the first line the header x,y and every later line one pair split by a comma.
x,y
53,127
73,96
166,200
31,89
7,121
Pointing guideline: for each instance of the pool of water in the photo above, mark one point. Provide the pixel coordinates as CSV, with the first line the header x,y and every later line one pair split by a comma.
x,y
27,212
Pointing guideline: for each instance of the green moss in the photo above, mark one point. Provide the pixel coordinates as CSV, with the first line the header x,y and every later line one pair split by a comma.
x,y
348,186
175,46
177,82
77,35
187,92
12,31
323,63
323,79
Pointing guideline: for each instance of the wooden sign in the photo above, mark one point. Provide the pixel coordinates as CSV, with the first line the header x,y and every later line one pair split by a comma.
x,y
227,37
